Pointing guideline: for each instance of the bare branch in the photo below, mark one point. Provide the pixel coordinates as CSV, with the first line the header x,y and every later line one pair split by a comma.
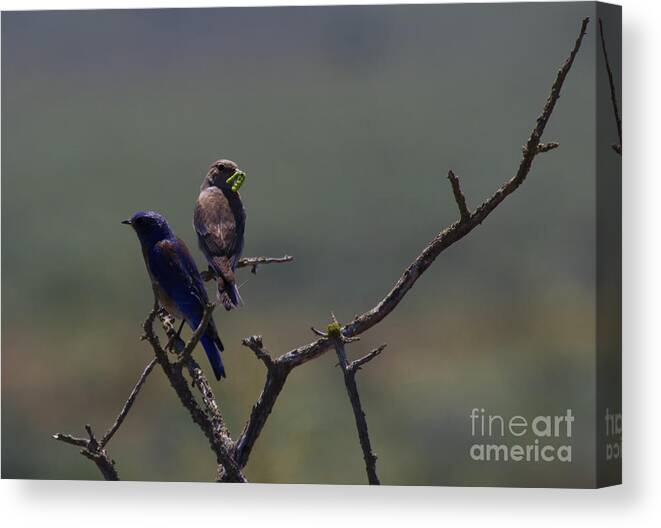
x,y
94,450
72,440
276,375
352,391
444,239
129,403
357,364
220,444
459,196
458,230
617,147
253,262
200,381
105,464
249,262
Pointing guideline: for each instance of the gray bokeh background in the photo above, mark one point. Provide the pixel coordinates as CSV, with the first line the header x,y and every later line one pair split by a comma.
x,y
346,120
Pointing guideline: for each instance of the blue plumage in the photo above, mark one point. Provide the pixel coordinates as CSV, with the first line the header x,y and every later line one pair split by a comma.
x,y
176,279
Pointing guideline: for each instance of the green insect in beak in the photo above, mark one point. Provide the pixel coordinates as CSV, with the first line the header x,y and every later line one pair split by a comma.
x,y
236,180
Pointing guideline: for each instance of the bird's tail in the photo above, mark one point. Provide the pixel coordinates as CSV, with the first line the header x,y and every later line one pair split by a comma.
x,y
213,346
228,294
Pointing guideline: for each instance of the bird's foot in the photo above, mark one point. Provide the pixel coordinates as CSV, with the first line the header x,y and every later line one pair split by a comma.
x,y
236,180
208,275
167,320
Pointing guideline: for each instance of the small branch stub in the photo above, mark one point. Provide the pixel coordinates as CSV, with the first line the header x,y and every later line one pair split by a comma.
x,y
459,196
318,333
545,147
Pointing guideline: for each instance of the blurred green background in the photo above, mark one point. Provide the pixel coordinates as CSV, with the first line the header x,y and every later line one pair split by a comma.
x,y
346,120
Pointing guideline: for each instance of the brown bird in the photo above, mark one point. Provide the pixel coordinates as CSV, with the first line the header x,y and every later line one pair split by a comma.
x,y
219,221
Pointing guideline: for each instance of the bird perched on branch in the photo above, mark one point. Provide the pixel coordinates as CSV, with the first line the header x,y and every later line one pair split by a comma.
x,y
219,221
176,279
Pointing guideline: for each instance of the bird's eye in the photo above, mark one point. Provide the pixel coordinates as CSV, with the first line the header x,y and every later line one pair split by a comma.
x,y
221,168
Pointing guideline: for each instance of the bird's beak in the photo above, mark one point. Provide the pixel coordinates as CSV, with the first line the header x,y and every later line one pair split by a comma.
x,y
126,222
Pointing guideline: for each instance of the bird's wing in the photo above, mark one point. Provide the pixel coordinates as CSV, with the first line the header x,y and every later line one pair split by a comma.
x,y
176,273
216,224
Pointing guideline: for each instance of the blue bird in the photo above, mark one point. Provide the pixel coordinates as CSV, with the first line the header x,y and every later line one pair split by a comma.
x,y
176,279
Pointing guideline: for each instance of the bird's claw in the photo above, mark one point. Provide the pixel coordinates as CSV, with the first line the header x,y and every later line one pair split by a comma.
x,y
236,180
207,275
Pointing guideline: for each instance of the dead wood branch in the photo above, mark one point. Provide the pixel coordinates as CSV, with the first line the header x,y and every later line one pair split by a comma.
x,y
280,367
210,422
